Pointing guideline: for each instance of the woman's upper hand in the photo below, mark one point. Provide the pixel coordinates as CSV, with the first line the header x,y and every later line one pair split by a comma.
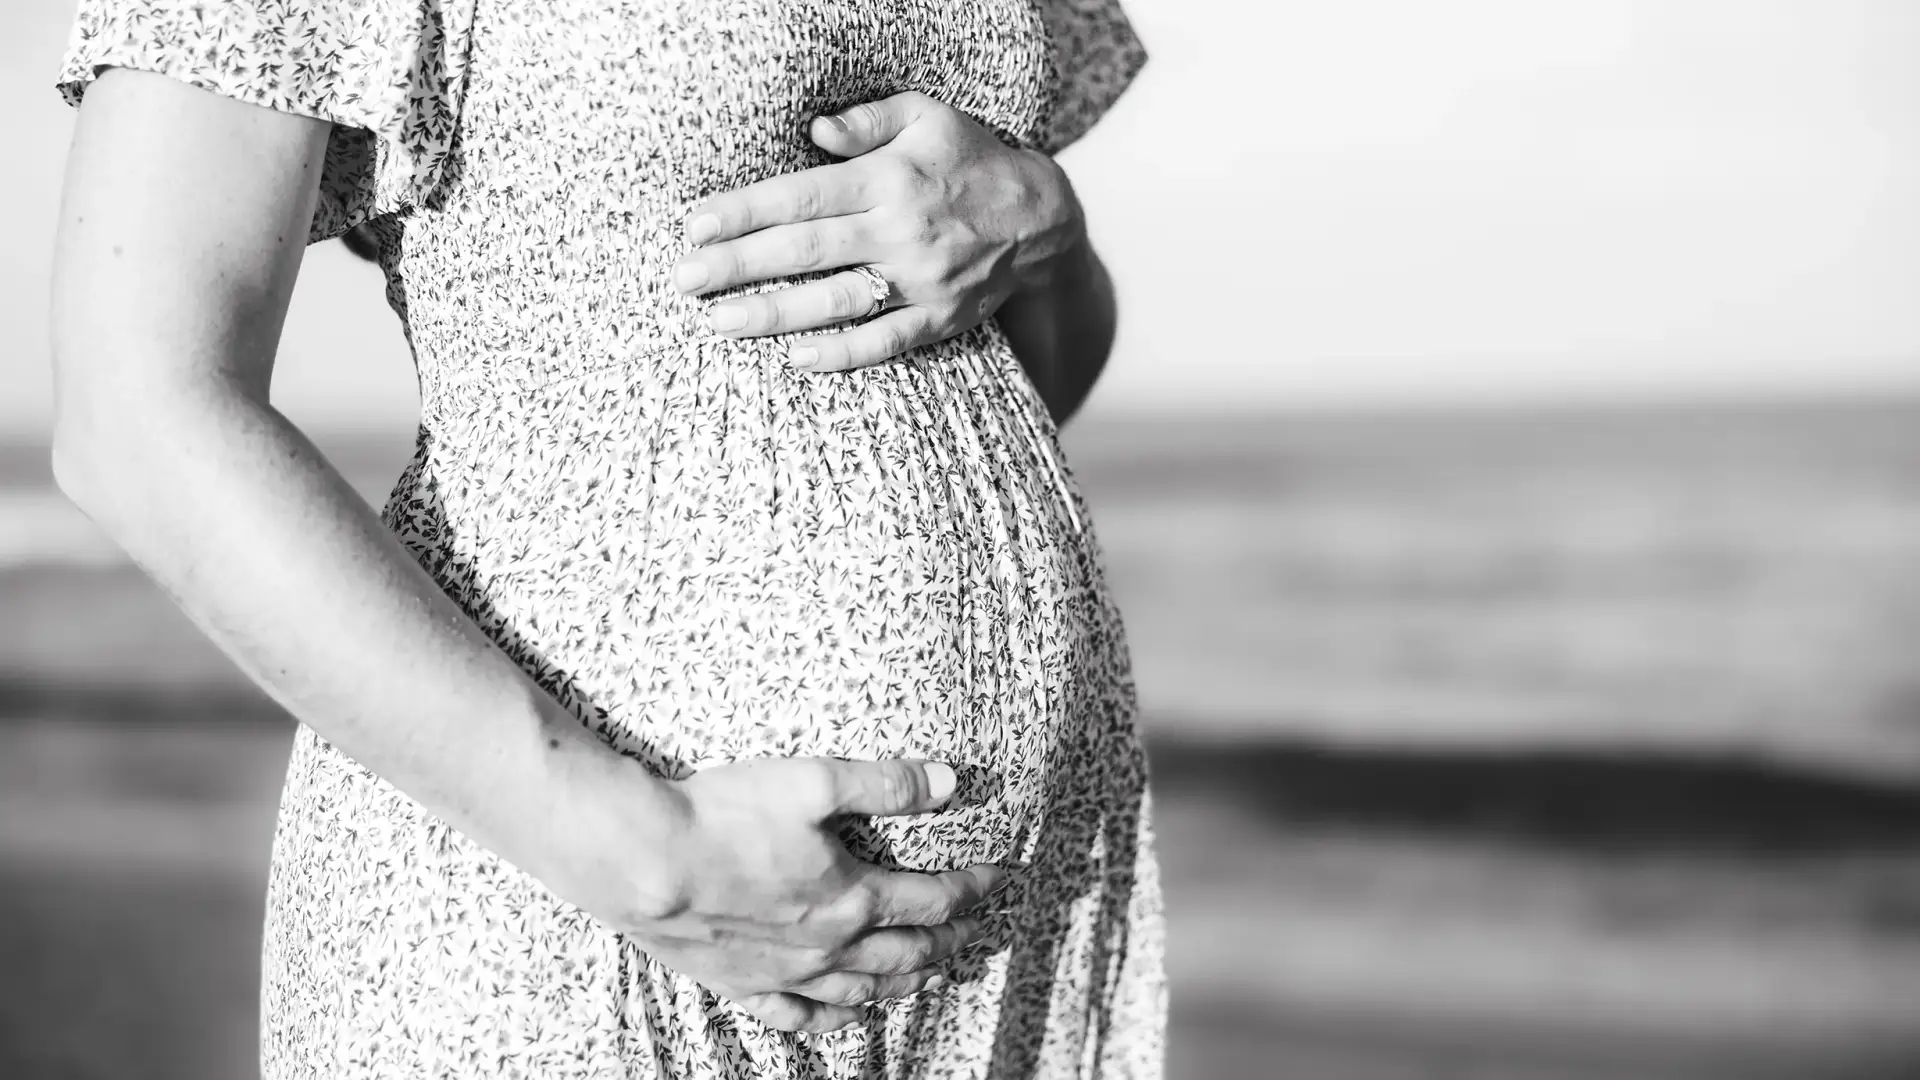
x,y
953,218
738,879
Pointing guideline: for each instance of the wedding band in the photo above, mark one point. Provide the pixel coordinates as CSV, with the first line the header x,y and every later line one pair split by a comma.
x,y
877,285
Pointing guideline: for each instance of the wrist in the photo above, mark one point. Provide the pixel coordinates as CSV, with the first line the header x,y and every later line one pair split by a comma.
x,y
609,806
1057,248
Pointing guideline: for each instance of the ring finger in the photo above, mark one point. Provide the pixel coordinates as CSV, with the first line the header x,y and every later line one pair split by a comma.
x,y
815,304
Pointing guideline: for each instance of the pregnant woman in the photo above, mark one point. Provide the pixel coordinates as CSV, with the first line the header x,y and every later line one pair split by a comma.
x,y
729,687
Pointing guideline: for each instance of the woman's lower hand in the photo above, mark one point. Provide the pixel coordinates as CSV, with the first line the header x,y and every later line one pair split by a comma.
x,y
952,218
738,880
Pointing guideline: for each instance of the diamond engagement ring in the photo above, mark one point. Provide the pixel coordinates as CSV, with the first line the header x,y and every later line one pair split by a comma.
x,y
882,292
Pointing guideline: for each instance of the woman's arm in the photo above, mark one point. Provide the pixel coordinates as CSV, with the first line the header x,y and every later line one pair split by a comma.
x,y
181,230
1062,327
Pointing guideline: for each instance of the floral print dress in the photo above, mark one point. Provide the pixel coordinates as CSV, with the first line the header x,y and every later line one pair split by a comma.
x,y
705,554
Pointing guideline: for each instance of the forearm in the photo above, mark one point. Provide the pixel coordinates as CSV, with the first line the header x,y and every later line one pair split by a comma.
x,y
239,517
1062,331
1060,317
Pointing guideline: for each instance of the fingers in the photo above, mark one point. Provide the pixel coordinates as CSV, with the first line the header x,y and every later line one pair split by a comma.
x,y
900,950
847,988
779,251
799,307
823,192
888,787
907,898
791,1012
867,344
868,125
884,964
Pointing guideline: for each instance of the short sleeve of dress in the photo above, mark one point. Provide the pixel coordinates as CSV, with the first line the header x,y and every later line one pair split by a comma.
x,y
387,73
1096,56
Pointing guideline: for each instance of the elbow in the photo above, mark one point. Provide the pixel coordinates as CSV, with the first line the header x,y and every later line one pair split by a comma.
x,y
105,460
125,423
86,402
97,443
81,454
117,438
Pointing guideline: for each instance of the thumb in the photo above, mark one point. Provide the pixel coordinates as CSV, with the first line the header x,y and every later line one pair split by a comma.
x,y
867,126
891,787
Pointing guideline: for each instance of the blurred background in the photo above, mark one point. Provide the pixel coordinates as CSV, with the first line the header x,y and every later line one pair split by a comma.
x,y
1510,471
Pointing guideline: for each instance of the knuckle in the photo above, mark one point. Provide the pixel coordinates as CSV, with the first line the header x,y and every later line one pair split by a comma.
x,y
807,200
918,228
805,249
890,953
925,946
812,962
916,950
858,909
897,782
944,322
951,899
909,982
959,934
919,178
763,316
848,299
903,781
924,912
854,989
868,115
889,340
900,180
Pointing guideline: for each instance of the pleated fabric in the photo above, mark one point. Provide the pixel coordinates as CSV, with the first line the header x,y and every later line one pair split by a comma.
x,y
706,554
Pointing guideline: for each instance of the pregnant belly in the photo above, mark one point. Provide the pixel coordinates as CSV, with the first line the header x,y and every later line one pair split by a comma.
x,y
711,557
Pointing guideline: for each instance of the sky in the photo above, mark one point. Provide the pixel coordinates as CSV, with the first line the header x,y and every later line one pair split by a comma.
x,y
1375,202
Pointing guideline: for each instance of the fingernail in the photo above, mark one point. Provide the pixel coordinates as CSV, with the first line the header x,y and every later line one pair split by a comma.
x,y
940,779
726,317
838,124
935,983
702,229
804,357
689,276
1005,880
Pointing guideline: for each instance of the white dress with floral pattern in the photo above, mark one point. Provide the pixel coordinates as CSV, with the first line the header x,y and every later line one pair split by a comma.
x,y
704,553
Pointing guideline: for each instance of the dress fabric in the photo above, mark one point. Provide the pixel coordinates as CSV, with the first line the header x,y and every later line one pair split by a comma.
x,y
707,555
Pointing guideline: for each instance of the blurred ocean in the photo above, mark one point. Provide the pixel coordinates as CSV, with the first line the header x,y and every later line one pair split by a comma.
x,y
1578,744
